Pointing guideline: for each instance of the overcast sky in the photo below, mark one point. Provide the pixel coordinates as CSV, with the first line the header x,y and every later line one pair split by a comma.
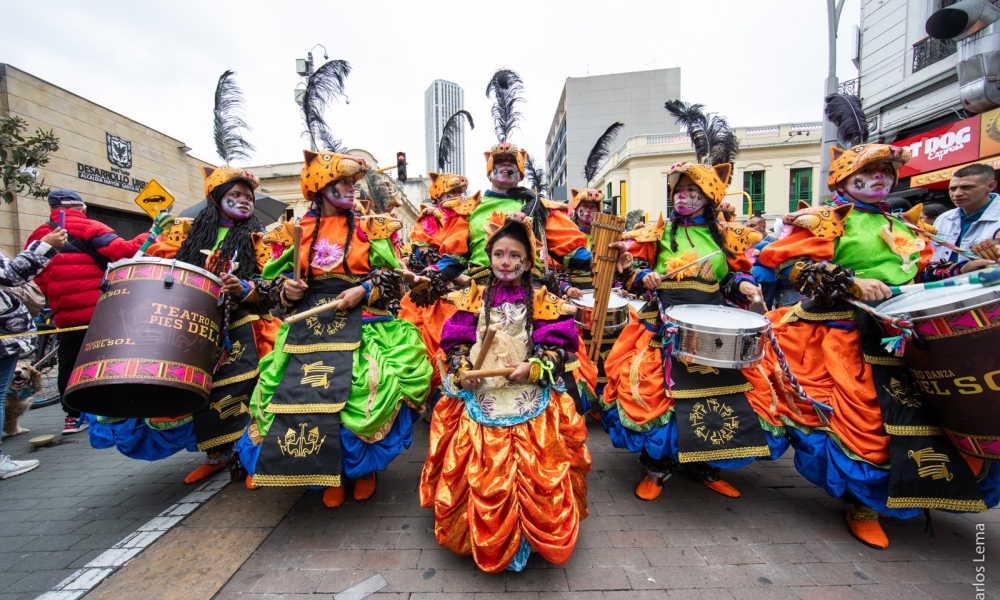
x,y
758,62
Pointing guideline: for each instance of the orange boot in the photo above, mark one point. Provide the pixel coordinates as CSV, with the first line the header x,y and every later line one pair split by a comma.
x,y
863,523
250,485
334,496
650,487
364,488
711,477
205,470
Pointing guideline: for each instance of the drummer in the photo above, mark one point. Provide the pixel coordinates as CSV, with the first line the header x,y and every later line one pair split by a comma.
x,y
863,452
652,401
224,239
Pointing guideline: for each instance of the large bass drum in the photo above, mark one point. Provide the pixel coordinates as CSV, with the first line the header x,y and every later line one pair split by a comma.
x,y
956,360
152,342
718,336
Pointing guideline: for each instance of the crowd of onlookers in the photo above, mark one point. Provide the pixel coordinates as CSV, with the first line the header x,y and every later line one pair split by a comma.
x,y
66,258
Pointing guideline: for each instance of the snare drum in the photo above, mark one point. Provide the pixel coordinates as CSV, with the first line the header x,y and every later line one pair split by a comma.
x,y
718,336
617,316
152,343
956,360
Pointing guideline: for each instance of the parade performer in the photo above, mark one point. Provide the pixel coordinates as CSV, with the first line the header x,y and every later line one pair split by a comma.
x,y
225,239
436,248
507,466
863,451
650,395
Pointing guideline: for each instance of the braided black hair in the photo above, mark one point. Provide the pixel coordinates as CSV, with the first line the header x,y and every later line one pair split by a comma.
x,y
711,214
492,283
205,231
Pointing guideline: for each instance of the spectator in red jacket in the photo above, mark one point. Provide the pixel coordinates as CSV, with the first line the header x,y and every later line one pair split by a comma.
x,y
72,280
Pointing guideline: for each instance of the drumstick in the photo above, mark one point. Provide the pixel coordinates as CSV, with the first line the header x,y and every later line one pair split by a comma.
x,y
297,251
313,311
691,264
474,374
987,277
491,331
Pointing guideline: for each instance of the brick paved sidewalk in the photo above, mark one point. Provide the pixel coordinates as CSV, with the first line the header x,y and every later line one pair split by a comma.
x,y
783,539
78,503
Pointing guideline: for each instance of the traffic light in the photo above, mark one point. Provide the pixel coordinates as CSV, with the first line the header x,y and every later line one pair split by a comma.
x,y
401,166
608,205
962,19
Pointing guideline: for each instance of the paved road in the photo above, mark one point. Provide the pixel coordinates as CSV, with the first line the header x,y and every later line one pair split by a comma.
x,y
784,539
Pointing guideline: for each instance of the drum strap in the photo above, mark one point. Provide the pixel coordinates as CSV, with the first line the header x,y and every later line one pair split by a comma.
x,y
84,246
927,470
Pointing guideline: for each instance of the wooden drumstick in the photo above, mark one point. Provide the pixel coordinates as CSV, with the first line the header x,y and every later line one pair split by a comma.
x,y
297,251
335,305
479,374
491,332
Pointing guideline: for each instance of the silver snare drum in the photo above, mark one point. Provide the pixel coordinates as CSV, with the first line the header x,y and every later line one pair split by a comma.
x,y
617,315
718,336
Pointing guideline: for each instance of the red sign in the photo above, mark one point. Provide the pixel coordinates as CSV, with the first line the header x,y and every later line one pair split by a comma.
x,y
942,147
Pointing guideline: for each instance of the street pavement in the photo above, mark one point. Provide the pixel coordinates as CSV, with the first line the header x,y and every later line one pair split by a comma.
x,y
784,539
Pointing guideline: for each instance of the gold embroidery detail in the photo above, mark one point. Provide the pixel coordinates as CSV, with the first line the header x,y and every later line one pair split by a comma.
x,y
688,285
218,441
378,312
372,384
321,379
720,435
830,316
702,369
319,328
244,321
913,430
900,393
633,379
935,471
303,444
297,480
687,457
236,353
230,406
705,392
347,278
885,361
300,409
938,503
571,366
322,347
235,379
379,434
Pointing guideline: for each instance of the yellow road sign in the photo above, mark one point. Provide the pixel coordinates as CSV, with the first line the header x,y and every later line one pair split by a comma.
x,y
153,198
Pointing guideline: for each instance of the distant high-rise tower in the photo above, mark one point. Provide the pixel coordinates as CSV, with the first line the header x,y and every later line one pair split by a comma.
x,y
441,100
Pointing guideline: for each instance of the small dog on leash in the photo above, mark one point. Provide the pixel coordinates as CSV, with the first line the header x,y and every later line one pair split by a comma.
x,y
27,382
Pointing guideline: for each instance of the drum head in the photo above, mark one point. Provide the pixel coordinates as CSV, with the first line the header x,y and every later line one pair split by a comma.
x,y
587,301
152,260
924,304
716,318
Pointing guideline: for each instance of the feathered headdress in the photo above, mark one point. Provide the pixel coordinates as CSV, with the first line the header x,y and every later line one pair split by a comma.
x,y
506,88
600,151
229,128
845,112
535,177
451,130
713,140
323,86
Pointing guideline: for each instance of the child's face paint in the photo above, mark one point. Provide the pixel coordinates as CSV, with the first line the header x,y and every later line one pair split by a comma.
x,y
238,203
508,259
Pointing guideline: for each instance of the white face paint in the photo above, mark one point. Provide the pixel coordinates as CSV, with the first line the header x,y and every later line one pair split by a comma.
x,y
689,200
237,204
508,259
505,175
869,184
585,213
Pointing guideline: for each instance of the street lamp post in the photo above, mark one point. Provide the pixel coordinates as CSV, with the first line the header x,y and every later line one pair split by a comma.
x,y
832,85
304,67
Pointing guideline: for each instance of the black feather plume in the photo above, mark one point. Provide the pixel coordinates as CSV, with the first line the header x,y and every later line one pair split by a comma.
x,y
535,177
448,135
505,88
600,151
229,126
845,112
713,140
323,86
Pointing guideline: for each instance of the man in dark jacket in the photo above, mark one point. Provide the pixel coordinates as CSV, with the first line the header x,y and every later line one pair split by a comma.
x,y
72,281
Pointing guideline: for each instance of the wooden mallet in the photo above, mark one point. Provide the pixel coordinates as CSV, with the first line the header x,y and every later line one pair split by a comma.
x,y
484,348
335,305
297,252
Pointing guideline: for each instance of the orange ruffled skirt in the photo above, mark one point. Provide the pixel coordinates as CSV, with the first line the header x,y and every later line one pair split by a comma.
x,y
491,487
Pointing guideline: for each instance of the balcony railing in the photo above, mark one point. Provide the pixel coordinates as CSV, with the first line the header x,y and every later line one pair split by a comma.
x,y
851,87
929,51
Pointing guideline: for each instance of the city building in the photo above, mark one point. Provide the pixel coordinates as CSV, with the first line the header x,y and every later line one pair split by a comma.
x,y
104,156
936,96
777,167
589,105
441,100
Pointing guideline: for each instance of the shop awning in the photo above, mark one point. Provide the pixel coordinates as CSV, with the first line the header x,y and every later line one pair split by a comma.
x,y
940,178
